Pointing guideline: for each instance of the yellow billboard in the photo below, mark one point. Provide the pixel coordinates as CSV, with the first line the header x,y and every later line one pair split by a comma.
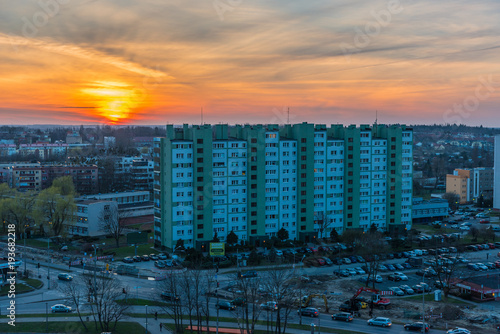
x,y
217,249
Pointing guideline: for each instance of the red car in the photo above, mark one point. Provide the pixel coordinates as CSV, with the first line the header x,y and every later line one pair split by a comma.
x,y
492,246
314,250
484,221
479,247
321,262
497,263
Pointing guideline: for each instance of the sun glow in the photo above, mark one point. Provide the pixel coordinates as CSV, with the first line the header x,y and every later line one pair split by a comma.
x,y
114,101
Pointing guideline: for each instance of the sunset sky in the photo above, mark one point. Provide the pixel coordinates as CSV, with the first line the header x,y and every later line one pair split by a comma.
x,y
247,61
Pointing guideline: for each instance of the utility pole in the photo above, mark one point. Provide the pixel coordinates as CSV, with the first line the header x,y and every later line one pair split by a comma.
x,y
146,319
47,317
423,306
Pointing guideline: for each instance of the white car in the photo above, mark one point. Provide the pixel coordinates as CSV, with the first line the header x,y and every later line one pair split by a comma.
x,y
360,271
464,228
458,330
397,291
378,279
60,308
352,272
402,276
380,321
482,266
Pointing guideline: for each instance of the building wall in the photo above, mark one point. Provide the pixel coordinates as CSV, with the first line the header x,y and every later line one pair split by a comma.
x,y
459,183
88,214
427,211
255,180
496,186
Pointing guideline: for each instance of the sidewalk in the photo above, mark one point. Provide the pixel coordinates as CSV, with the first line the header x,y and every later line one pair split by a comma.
x,y
154,325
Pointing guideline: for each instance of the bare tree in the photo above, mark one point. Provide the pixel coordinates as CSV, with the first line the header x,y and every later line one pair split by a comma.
x,y
76,294
208,285
170,290
323,222
248,315
112,221
277,284
371,247
105,290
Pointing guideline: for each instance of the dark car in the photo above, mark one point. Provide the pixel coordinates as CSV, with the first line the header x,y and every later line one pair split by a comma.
x,y
170,296
248,274
153,256
418,288
354,259
128,259
160,264
137,258
394,278
65,277
225,305
145,258
239,301
343,316
309,312
360,259
417,327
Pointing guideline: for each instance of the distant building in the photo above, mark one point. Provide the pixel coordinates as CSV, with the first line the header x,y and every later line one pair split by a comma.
x,y
73,138
427,211
459,183
134,206
470,184
35,176
88,214
496,182
43,151
142,174
109,142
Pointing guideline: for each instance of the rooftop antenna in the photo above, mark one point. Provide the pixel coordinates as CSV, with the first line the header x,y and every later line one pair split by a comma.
x,y
201,115
288,115
376,116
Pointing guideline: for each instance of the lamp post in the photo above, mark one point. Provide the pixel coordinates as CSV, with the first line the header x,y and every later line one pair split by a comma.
x,y
47,317
312,328
423,305
146,319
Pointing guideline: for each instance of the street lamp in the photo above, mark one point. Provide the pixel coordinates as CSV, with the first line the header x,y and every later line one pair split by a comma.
x,y
423,305
146,319
312,328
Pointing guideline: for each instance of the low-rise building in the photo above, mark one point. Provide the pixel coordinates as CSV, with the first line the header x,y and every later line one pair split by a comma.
x,y
427,211
88,217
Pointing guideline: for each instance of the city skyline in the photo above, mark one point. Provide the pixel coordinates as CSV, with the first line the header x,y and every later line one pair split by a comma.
x,y
120,62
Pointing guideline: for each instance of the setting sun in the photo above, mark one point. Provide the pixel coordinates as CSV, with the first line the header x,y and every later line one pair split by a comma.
x,y
114,101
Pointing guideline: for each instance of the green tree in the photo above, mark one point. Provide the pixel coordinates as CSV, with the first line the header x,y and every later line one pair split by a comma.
x,y
373,228
17,209
232,238
65,185
334,235
216,237
56,209
254,258
452,199
283,234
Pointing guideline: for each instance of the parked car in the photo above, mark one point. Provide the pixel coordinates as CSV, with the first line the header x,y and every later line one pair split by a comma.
x,y
327,260
417,327
309,312
137,258
396,291
342,316
145,258
128,259
418,288
360,259
225,305
394,278
458,330
407,289
153,257
472,266
482,266
346,260
378,279
160,264
380,321
359,271
162,256
390,267
60,308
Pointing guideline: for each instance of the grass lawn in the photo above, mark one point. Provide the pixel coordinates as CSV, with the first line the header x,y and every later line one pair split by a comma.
x,y
125,251
20,288
68,327
40,244
37,284
140,302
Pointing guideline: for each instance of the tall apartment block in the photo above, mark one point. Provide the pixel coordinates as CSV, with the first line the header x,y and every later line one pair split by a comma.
x,y
256,179
496,177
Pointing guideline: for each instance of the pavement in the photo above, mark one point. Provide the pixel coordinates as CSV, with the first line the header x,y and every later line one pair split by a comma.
x,y
153,325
